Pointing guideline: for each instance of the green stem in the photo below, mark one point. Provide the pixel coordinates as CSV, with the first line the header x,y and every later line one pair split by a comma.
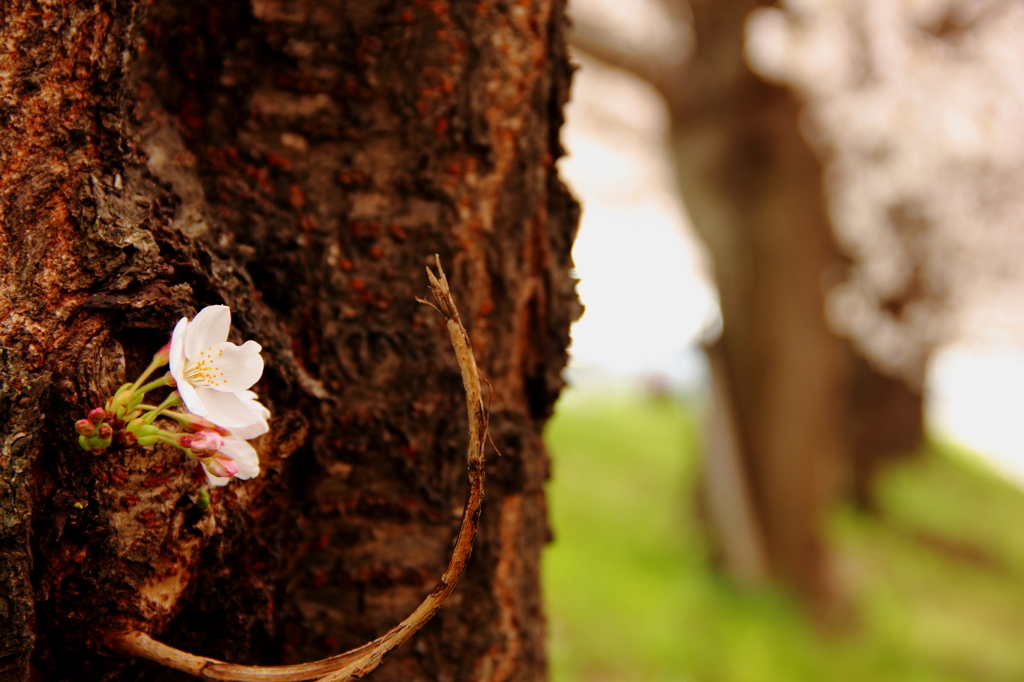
x,y
156,364
170,439
156,383
173,399
137,394
176,416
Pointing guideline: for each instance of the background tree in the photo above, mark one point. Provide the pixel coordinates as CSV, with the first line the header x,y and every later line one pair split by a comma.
x,y
300,162
795,410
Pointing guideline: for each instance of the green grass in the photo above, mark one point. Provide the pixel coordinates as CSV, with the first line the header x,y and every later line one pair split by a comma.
x,y
936,583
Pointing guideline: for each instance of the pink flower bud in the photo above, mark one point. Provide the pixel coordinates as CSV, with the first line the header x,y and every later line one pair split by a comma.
x,y
105,432
204,441
223,468
208,440
163,354
96,416
85,427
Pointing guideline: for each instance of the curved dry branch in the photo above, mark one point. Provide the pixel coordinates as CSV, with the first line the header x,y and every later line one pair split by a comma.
x,y
359,661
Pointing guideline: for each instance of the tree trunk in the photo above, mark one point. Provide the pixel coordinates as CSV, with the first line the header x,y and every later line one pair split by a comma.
x,y
753,188
795,409
300,162
807,409
886,425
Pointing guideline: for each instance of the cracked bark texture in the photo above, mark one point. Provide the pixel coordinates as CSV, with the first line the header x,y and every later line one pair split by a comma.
x,y
300,162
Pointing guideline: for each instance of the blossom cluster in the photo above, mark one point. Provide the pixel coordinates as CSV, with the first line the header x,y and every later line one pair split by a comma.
x,y
215,411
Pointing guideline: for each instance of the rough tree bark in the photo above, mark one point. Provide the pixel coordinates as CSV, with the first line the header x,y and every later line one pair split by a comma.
x,y
301,162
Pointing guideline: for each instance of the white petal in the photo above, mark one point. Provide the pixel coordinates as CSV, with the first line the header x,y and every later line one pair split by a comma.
x,y
190,396
211,325
176,357
226,409
260,413
257,428
251,401
244,455
233,368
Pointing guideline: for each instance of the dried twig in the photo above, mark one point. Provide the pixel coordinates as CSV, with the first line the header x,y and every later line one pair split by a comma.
x,y
360,661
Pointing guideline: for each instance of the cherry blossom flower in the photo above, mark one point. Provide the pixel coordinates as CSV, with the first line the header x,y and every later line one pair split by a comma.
x,y
213,375
235,458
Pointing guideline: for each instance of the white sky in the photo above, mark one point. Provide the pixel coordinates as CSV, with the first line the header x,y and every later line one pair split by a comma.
x,y
975,397
642,274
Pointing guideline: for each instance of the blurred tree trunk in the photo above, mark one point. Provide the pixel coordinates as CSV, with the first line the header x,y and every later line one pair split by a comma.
x,y
795,410
885,423
754,191
300,162
811,416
